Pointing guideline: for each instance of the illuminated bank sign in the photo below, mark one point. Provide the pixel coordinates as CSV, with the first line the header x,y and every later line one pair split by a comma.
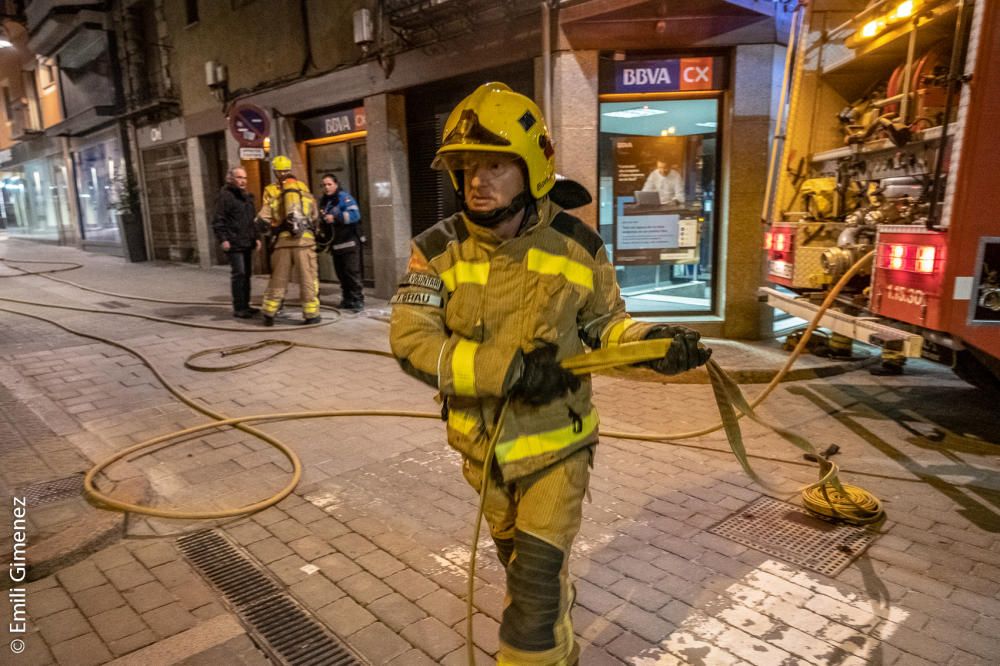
x,y
331,124
640,76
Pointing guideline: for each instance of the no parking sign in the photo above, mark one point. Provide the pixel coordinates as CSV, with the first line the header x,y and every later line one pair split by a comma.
x,y
250,125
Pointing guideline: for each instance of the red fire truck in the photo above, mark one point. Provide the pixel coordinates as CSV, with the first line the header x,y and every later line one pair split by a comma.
x,y
891,143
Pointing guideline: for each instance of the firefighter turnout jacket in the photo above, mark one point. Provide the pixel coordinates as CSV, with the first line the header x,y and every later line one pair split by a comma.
x,y
471,305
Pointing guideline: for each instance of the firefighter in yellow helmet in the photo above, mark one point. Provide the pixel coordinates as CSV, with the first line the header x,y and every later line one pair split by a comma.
x,y
494,297
290,211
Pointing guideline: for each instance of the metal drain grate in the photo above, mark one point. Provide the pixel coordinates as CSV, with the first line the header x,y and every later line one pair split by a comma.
x,y
289,632
795,535
50,492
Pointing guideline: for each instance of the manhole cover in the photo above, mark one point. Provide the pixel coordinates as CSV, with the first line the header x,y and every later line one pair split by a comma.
x,y
50,492
795,535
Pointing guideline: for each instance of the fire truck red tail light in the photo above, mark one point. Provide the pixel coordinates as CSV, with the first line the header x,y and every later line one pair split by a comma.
x,y
897,253
768,236
925,259
779,242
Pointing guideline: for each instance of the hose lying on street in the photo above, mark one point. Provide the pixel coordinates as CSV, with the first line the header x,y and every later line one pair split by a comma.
x,y
826,496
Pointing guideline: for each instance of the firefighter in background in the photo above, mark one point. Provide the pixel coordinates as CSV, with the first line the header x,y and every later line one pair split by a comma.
x,y
341,212
494,298
289,209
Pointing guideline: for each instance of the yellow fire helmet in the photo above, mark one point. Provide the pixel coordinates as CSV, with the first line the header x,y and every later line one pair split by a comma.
x,y
281,163
495,119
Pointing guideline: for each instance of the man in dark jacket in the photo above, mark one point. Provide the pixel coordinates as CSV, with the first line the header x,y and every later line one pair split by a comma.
x,y
234,226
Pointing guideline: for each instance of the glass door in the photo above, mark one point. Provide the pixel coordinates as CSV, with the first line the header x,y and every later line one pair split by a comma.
x,y
658,162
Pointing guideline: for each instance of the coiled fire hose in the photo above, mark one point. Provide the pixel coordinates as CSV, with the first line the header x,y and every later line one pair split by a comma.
x,y
826,496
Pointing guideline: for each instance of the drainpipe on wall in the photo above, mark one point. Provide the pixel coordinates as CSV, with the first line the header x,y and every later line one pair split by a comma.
x,y
547,61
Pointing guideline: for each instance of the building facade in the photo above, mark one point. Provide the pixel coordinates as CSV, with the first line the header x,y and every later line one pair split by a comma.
x,y
637,93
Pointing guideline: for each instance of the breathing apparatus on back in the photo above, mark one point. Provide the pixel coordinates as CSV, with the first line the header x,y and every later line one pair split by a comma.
x,y
295,204
495,119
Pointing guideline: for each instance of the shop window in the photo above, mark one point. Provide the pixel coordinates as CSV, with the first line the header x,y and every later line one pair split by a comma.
x,y
191,11
658,200
100,179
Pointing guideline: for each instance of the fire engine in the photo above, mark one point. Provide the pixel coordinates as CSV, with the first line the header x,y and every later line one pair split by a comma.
x,y
889,141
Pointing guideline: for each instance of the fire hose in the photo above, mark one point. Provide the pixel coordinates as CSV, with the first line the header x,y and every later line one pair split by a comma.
x,y
826,496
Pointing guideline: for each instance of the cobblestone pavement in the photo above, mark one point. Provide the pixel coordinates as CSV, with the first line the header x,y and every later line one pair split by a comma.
x,y
383,516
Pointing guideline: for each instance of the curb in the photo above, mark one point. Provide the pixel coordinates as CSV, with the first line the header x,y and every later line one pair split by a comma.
x,y
96,528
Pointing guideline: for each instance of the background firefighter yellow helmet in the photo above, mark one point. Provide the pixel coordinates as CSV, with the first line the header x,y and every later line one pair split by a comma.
x,y
281,163
496,119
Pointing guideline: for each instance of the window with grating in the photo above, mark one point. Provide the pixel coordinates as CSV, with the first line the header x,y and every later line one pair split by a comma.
x,y
431,195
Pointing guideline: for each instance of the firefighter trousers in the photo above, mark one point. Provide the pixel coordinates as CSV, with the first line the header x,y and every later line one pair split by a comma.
x,y
299,260
533,522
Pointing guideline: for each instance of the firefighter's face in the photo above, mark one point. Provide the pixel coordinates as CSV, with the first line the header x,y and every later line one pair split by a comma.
x,y
492,181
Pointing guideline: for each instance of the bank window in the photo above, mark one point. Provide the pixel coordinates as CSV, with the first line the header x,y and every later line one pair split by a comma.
x,y
658,163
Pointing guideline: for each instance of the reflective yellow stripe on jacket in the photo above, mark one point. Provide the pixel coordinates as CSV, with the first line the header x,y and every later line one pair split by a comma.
x,y
528,446
463,367
462,422
466,272
617,330
545,263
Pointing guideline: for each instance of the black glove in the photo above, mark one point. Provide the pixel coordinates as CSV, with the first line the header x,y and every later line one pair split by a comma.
x,y
543,379
684,353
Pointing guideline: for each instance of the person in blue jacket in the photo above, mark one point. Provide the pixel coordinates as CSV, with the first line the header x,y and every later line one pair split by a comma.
x,y
340,212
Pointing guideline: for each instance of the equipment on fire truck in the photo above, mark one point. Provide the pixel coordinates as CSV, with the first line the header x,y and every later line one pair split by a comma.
x,y
819,197
855,241
927,91
989,290
862,114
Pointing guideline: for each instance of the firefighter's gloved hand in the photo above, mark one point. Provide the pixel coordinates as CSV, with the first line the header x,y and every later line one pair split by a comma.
x,y
543,379
684,353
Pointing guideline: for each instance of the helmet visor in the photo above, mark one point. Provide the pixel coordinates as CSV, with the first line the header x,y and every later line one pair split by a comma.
x,y
473,160
468,131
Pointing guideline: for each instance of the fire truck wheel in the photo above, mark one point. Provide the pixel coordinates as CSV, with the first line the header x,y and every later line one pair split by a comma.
x,y
978,369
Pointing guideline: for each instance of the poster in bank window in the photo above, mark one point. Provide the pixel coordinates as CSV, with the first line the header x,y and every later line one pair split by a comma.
x,y
653,189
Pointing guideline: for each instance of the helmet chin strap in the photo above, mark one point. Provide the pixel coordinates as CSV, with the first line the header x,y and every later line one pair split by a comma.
x,y
498,215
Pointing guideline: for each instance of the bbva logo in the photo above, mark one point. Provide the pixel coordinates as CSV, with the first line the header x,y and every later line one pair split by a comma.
x,y
646,76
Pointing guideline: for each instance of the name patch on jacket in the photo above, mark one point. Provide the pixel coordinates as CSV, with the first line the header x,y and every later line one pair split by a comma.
x,y
418,298
422,280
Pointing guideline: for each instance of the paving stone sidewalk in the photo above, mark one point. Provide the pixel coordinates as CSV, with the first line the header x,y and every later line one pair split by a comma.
x,y
376,538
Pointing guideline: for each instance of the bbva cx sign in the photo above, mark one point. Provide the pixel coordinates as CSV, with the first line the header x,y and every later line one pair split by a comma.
x,y
665,75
